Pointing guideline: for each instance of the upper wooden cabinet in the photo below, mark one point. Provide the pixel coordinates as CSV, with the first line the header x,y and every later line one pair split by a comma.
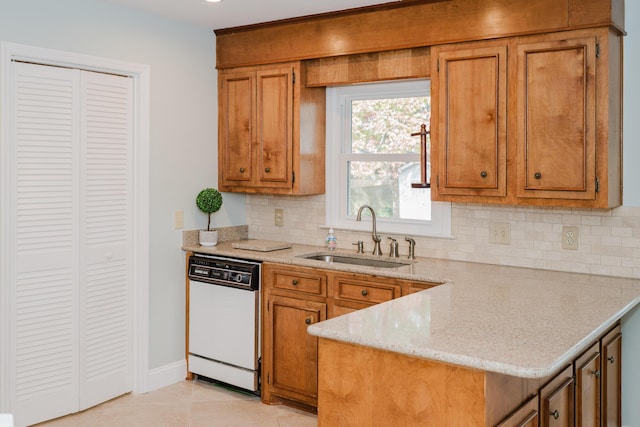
x,y
556,119
532,120
469,120
270,131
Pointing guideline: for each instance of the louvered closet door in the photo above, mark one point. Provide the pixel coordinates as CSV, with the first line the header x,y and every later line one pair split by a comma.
x,y
46,145
106,219
72,290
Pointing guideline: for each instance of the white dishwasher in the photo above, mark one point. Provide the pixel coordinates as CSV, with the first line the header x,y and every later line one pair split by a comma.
x,y
224,320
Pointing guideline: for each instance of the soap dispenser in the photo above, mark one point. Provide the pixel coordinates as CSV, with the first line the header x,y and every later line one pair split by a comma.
x,y
331,240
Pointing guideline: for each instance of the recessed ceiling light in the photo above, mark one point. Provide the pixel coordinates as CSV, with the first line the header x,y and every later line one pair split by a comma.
x,y
213,1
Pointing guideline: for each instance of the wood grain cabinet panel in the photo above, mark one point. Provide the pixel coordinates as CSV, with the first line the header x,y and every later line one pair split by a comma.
x,y
611,349
587,376
557,401
526,416
531,120
270,131
291,368
469,120
556,119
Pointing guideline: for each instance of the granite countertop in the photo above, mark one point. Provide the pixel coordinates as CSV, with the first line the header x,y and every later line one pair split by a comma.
x,y
516,321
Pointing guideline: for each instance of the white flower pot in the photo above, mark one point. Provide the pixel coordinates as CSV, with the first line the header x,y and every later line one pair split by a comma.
x,y
208,238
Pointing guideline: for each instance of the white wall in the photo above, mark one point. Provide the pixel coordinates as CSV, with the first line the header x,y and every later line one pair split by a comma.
x,y
183,128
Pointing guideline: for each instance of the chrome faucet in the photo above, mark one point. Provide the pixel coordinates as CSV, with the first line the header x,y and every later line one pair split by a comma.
x,y
374,235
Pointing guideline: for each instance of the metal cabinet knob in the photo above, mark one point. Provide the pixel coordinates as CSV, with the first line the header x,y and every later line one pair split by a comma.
x,y
365,292
611,359
555,414
294,282
483,174
267,170
308,320
597,373
537,175
241,170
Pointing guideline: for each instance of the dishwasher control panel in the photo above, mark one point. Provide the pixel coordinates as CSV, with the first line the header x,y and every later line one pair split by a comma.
x,y
225,271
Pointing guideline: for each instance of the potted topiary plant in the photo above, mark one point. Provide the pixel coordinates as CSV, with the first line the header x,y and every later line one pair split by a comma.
x,y
209,201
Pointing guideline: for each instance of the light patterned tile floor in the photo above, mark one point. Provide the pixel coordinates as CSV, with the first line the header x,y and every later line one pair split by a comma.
x,y
187,404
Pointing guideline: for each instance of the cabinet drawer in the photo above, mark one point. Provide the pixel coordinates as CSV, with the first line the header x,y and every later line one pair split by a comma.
x,y
303,282
355,290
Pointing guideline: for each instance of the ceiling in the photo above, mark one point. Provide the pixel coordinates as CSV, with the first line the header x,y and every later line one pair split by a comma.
x,y
234,13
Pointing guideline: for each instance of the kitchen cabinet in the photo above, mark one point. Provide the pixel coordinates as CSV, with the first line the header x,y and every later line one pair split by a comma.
x,y
531,120
587,377
526,416
350,292
611,349
271,132
469,120
295,297
557,400
556,118
293,366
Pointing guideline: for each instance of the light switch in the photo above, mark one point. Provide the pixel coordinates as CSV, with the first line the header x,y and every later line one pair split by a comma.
x,y
178,220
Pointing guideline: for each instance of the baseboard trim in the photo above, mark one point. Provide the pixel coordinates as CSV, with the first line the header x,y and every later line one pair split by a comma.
x,y
167,375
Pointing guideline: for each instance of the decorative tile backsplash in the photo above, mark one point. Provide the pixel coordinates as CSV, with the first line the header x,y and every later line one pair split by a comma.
x,y
608,243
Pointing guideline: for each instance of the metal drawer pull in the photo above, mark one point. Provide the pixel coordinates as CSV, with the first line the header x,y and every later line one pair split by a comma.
x,y
308,320
294,282
365,292
241,170
611,359
483,174
537,175
597,373
267,170
555,414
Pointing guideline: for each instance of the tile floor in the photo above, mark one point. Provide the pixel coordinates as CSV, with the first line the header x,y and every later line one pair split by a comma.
x,y
187,404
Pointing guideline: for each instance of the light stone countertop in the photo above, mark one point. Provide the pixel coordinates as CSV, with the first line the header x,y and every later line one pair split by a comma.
x,y
516,321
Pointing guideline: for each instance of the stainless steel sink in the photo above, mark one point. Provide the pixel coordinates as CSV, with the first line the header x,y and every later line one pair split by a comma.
x,y
345,259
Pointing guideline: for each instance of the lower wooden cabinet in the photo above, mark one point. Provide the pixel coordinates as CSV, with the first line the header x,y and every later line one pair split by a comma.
x,y
292,361
526,416
611,350
295,297
557,401
584,394
587,376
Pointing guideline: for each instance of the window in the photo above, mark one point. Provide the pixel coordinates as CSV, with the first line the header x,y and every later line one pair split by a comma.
x,y
372,159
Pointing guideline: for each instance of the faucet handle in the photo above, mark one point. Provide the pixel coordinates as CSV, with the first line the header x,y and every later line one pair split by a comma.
x,y
393,248
412,247
360,245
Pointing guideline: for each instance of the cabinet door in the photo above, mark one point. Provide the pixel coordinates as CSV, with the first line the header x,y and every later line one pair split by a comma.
x,y
292,365
556,119
275,127
526,416
557,401
587,370
410,287
236,128
469,123
611,378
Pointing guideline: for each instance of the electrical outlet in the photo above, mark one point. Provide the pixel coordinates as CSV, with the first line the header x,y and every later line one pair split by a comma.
x,y
279,217
500,233
570,237
178,220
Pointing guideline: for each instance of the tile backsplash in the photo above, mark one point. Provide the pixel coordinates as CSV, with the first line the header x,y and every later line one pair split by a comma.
x,y
609,240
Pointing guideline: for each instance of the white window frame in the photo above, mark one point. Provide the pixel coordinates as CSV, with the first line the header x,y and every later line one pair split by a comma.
x,y
338,136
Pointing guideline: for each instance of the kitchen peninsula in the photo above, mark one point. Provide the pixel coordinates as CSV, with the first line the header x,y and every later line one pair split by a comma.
x,y
510,329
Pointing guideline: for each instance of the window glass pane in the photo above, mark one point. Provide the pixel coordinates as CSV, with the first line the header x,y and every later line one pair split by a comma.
x,y
385,125
386,187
